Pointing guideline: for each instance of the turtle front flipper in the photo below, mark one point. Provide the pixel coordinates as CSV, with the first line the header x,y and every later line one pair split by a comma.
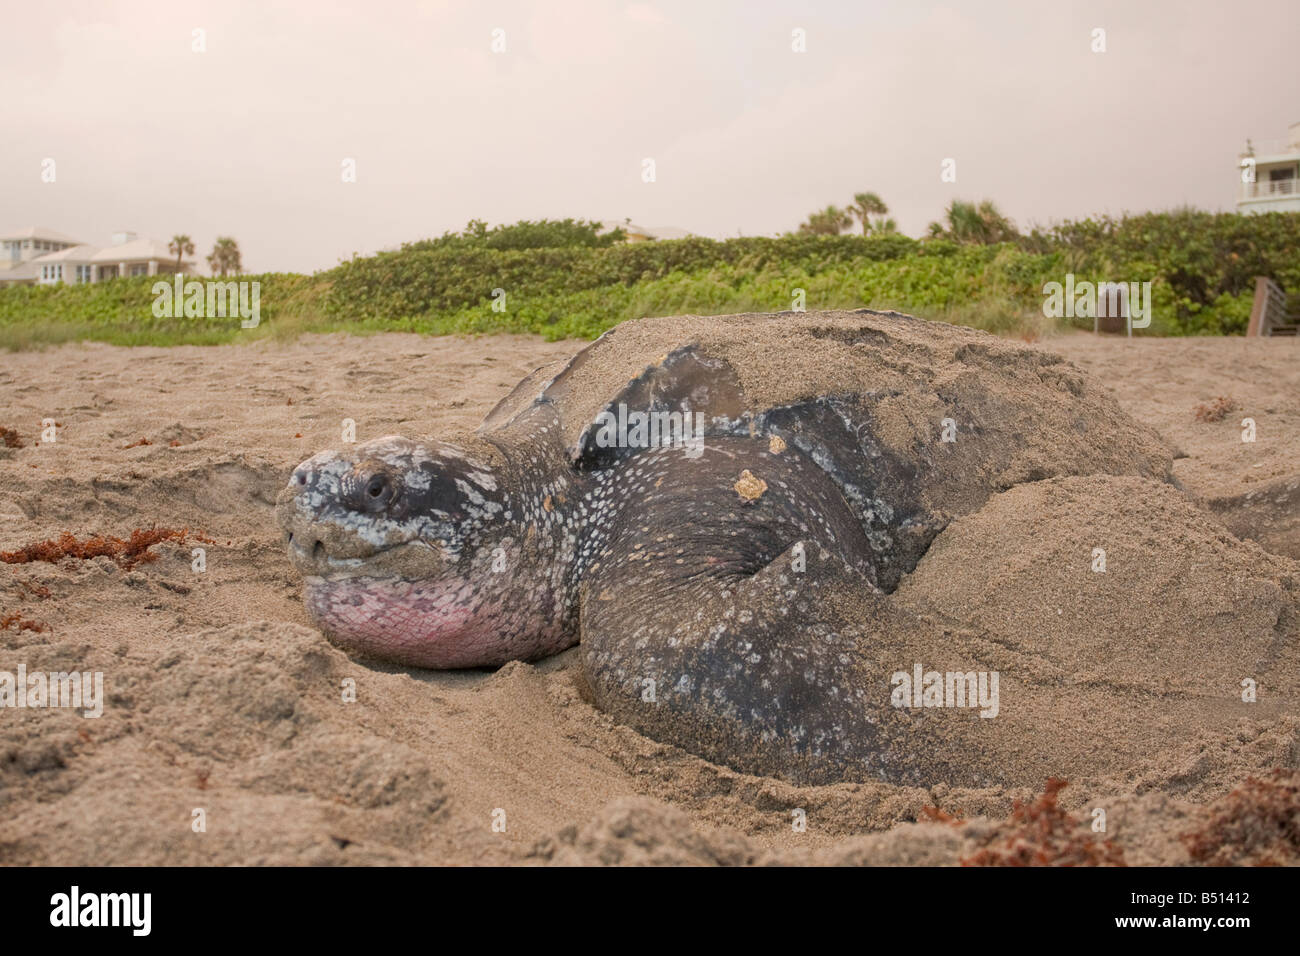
x,y
733,613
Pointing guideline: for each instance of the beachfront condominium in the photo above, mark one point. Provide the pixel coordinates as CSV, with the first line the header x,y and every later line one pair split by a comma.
x,y
1270,176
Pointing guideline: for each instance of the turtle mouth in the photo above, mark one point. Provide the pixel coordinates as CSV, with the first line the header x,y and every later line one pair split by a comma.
x,y
400,561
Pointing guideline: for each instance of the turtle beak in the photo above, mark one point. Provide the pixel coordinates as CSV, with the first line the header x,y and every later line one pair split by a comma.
x,y
300,505
306,550
306,553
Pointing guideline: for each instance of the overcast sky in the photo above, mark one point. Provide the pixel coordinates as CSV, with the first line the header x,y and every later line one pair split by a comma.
x,y
747,136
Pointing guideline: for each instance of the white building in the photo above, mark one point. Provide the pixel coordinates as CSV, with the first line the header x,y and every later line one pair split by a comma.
x,y
1270,176
637,233
36,256
18,249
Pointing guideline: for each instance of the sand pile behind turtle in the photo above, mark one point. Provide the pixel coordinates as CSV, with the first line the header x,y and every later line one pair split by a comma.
x,y
1125,619
1253,486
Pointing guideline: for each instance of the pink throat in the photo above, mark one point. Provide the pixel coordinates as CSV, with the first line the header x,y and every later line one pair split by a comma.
x,y
435,624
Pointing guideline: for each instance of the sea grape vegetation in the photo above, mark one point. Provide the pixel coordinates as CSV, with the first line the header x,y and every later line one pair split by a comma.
x,y
566,278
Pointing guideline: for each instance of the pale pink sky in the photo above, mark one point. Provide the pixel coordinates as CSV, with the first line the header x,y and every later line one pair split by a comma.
x,y
747,136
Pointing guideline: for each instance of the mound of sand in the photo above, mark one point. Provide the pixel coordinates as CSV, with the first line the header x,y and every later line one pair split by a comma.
x,y
1126,626
1171,384
1091,577
220,697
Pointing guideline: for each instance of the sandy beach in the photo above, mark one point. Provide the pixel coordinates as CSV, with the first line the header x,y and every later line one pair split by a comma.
x,y
221,697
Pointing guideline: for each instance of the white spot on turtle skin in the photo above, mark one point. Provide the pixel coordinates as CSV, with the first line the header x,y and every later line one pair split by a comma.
x,y
470,493
417,479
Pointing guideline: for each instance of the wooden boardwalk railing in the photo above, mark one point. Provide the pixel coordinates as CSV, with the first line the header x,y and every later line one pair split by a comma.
x,y
1268,313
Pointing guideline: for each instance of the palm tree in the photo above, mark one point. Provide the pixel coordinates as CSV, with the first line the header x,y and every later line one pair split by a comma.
x,y
866,205
233,259
965,222
225,257
831,221
181,246
997,227
977,223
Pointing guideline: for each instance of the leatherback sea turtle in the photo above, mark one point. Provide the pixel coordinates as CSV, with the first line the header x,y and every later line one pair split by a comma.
x,y
718,509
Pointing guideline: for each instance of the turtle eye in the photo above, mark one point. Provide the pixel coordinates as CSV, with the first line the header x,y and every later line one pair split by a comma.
x,y
371,491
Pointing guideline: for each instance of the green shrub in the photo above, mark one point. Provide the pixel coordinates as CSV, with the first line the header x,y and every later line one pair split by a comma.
x,y
564,279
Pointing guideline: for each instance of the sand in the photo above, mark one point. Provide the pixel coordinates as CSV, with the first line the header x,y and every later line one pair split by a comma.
x,y
221,697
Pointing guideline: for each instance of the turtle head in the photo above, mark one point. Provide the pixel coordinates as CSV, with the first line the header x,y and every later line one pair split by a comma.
x,y
409,553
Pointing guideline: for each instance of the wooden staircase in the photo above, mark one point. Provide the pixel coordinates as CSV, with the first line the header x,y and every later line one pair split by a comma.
x,y
1269,314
